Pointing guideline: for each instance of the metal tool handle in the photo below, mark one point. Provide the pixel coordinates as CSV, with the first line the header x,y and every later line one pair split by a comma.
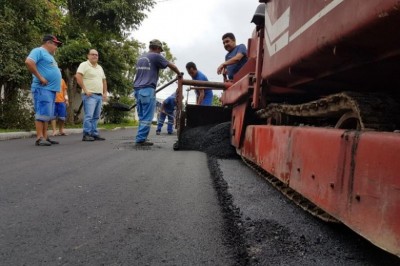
x,y
159,89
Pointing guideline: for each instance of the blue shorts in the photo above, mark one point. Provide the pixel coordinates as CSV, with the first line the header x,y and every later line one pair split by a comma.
x,y
60,111
43,101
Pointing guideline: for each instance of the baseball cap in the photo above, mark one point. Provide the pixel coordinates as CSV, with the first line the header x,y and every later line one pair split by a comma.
x,y
52,38
156,42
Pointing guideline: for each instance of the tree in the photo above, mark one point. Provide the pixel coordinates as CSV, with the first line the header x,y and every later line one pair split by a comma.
x,y
81,25
216,101
22,24
167,74
115,16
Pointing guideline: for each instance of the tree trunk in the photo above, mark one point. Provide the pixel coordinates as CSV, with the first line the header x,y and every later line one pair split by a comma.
x,y
72,90
10,92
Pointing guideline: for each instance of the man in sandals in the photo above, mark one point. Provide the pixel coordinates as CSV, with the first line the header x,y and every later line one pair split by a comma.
x,y
60,110
46,82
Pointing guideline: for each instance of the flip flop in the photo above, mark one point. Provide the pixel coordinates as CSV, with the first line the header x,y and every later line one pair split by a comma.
x,y
62,134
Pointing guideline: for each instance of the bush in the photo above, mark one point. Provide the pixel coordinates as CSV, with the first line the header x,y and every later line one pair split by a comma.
x,y
113,116
19,113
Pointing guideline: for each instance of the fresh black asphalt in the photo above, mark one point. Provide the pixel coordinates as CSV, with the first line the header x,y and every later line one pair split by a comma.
x,y
110,203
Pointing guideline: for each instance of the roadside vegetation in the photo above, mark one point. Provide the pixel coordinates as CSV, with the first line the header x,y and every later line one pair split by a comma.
x,y
123,124
80,25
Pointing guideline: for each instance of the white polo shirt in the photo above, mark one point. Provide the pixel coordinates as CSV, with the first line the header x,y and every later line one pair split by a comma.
x,y
92,76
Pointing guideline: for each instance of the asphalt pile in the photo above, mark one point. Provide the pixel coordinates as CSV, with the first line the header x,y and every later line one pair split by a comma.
x,y
263,227
211,139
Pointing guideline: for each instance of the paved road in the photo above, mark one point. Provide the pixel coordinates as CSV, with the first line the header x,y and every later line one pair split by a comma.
x,y
277,232
154,206
108,203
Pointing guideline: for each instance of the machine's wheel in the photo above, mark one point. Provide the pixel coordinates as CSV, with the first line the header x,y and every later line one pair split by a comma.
x,y
349,120
275,119
176,146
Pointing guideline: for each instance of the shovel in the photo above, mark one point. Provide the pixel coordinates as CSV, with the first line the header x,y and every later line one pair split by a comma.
x,y
125,107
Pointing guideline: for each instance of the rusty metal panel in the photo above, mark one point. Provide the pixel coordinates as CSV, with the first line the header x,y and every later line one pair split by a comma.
x,y
238,117
313,39
374,187
354,176
237,91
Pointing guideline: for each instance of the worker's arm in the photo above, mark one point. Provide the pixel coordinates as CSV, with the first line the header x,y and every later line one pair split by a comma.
x,y
79,80
163,107
66,100
201,97
174,68
31,65
105,92
231,61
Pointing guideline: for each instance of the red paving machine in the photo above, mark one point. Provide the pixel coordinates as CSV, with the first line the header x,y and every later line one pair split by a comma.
x,y
317,107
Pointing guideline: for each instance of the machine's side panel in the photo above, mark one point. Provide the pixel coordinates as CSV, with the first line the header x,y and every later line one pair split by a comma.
x,y
333,169
336,40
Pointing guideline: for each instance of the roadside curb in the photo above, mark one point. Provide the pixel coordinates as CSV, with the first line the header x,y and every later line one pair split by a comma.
x,y
32,134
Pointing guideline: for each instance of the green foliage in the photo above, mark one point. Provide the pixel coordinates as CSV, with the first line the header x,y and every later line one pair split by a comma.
x,y
74,52
167,74
81,25
17,114
22,24
216,101
113,116
109,15
118,59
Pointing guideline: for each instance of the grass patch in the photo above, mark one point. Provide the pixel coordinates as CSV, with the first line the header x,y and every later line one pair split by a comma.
x,y
2,130
124,124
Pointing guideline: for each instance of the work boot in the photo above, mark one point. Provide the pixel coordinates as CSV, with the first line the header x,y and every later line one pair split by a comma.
x,y
87,138
144,143
98,138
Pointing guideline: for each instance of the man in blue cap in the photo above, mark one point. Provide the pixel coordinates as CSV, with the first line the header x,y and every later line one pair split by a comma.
x,y
147,70
46,82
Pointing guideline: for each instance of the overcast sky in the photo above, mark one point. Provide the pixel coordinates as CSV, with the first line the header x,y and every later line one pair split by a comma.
x,y
193,30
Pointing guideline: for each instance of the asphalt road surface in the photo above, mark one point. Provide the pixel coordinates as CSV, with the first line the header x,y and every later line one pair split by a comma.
x,y
109,203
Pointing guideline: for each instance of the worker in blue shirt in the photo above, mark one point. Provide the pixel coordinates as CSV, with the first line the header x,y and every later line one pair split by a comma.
x,y
146,78
167,110
203,97
235,58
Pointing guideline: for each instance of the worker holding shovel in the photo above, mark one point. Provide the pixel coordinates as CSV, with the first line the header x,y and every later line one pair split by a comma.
x,y
146,78
167,110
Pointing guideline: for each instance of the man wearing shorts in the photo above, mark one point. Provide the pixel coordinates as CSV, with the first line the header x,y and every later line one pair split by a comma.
x,y
60,110
46,82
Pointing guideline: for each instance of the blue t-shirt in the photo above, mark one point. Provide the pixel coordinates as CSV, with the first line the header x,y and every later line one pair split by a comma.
x,y
147,69
47,67
208,94
170,103
233,69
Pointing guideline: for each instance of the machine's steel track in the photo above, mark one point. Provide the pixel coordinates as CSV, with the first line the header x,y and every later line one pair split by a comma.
x,y
374,111
291,194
